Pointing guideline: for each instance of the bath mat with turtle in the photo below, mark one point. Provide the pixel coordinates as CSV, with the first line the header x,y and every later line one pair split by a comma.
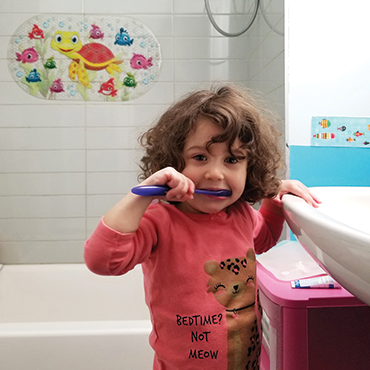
x,y
84,57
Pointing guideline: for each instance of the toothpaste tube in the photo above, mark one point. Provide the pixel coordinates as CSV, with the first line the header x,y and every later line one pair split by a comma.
x,y
325,282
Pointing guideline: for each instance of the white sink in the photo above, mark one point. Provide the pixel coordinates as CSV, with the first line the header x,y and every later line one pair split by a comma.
x,y
337,234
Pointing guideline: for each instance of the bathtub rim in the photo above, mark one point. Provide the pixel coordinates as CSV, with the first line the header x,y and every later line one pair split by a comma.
x,y
64,328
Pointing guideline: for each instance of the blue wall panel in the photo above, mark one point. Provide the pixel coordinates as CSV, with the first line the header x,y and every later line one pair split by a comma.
x,y
330,166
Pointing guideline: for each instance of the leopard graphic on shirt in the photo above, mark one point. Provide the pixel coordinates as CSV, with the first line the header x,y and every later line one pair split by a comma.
x,y
233,284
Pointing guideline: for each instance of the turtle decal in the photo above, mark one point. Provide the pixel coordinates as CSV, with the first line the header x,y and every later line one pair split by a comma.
x,y
93,56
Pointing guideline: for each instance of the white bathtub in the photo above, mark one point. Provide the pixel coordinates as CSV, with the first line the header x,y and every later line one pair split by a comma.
x,y
63,317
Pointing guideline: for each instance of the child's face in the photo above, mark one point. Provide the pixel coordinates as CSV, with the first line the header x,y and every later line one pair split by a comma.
x,y
214,169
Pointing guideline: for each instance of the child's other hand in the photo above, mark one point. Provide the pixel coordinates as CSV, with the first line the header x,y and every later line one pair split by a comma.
x,y
295,187
182,188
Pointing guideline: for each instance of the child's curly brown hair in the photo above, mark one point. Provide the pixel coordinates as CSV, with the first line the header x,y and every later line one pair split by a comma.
x,y
239,115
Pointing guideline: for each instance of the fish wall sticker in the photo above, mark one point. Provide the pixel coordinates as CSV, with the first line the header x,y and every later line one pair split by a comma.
x,y
84,57
340,131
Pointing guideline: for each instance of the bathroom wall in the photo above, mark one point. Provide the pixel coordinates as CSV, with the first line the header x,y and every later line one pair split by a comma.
x,y
328,74
63,165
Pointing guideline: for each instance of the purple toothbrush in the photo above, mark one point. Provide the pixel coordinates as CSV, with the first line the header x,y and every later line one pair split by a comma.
x,y
158,190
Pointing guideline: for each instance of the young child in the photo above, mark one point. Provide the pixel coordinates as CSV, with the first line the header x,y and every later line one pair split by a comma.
x,y
191,245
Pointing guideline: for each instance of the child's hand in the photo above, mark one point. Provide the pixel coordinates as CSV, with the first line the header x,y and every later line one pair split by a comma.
x,y
295,187
126,215
182,188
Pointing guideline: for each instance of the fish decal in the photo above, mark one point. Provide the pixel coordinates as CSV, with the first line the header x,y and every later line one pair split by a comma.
x,y
36,33
29,55
350,140
366,143
325,135
107,88
325,123
129,80
33,76
342,128
57,86
123,38
50,63
96,33
138,61
358,133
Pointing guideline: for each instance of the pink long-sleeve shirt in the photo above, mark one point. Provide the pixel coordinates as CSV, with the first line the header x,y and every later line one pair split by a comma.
x,y
182,254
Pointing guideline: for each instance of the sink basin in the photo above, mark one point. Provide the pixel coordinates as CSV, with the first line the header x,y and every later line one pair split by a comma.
x,y
337,234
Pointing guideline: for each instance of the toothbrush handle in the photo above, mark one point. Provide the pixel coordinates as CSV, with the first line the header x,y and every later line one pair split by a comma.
x,y
150,190
160,190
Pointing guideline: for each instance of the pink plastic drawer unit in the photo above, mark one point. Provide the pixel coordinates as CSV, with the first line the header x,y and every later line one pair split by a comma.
x,y
312,329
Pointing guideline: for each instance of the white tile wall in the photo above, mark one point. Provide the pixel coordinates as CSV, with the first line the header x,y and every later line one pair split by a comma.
x,y
62,165
42,184
129,6
35,161
41,6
